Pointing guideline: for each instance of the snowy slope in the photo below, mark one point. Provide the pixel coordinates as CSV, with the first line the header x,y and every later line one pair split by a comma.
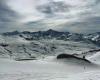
x,y
32,56
48,69
18,47
95,57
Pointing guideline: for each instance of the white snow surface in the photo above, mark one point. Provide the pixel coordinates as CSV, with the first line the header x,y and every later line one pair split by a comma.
x,y
48,69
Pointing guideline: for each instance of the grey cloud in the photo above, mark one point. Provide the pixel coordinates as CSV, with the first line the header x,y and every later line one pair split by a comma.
x,y
89,25
52,8
7,16
87,19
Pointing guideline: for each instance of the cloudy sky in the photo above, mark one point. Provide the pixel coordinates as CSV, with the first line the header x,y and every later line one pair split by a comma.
x,y
63,15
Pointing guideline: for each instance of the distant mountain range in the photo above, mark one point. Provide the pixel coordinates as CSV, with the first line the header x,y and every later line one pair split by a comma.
x,y
52,34
29,45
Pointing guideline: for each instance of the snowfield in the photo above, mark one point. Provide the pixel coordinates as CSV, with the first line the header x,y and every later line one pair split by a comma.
x,y
48,69
37,60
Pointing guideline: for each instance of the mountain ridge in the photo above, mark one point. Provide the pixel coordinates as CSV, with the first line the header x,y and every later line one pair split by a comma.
x,y
53,34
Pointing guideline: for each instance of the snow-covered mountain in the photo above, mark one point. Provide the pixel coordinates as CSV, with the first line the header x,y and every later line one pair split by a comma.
x,y
30,45
52,34
94,38
53,55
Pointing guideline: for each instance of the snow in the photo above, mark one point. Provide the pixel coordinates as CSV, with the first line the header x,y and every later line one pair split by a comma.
x,y
46,66
21,48
47,69
95,58
92,75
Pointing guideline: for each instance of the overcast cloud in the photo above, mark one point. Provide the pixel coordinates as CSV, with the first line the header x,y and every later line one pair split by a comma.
x,y
63,15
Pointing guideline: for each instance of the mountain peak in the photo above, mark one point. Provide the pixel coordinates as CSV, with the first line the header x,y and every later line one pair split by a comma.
x,y
11,33
51,30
